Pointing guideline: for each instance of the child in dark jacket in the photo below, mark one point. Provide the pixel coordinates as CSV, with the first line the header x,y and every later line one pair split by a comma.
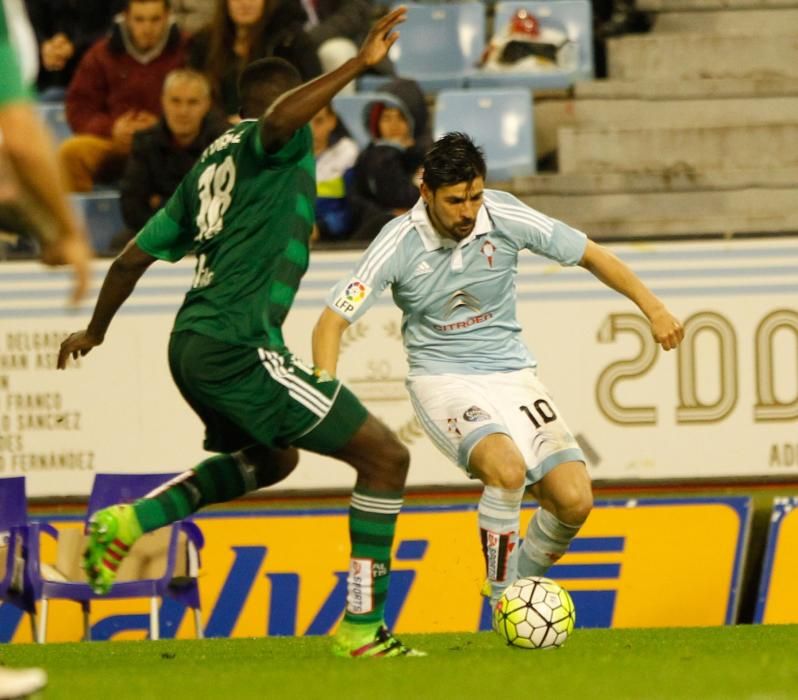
x,y
387,171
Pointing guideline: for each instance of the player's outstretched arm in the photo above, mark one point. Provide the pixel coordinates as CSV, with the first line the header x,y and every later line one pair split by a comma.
x,y
120,281
31,151
327,341
298,106
666,328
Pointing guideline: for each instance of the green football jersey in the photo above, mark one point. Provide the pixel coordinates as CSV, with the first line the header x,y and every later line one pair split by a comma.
x,y
17,49
247,215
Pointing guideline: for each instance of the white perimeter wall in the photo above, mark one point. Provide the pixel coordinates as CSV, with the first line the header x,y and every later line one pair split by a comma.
x,y
725,405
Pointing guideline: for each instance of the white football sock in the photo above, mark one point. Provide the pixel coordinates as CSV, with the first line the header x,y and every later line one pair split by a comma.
x,y
546,540
499,516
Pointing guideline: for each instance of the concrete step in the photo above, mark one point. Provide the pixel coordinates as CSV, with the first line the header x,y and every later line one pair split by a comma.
x,y
693,5
677,179
630,149
670,89
760,22
691,56
668,113
689,103
657,214
652,112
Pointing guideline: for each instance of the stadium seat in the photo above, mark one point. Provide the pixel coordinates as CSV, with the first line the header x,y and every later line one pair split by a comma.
x,y
54,116
439,45
16,585
162,564
353,112
574,17
102,213
499,120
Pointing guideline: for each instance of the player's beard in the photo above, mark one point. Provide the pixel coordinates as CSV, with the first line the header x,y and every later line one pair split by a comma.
x,y
456,231
463,229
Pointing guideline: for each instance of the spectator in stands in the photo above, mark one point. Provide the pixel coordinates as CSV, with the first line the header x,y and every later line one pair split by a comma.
x,y
192,15
337,27
65,29
245,30
164,153
387,171
115,92
335,153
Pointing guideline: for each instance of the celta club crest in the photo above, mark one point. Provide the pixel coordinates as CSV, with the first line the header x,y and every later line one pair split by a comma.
x,y
488,250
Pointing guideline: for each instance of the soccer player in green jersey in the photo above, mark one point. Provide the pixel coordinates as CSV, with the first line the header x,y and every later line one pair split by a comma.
x,y
246,210
26,143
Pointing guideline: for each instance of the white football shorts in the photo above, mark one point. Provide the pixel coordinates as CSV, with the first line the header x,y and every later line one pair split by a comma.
x,y
458,410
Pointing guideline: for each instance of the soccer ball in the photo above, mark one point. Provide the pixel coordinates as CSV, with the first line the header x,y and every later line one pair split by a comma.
x,y
534,613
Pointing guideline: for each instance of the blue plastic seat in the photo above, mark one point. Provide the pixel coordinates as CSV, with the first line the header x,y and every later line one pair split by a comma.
x,y
353,110
574,17
109,489
439,45
102,213
54,116
499,120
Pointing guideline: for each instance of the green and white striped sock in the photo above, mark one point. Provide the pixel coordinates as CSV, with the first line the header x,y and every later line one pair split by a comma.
x,y
372,522
217,479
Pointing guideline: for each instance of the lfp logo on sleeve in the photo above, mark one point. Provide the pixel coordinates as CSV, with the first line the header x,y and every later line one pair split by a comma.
x,y
352,297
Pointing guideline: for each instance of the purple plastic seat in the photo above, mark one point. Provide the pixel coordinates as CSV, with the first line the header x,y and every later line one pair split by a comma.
x,y
16,586
110,489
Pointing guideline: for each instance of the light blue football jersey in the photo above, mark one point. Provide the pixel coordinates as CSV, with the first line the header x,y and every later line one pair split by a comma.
x,y
457,299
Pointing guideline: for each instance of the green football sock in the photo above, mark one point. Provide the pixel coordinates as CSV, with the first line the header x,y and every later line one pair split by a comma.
x,y
372,521
218,479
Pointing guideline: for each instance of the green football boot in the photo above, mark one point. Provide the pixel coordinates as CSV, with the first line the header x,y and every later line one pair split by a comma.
x,y
112,532
367,642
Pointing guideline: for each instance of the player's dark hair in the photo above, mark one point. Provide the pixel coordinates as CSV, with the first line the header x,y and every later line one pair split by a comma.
x,y
262,82
453,158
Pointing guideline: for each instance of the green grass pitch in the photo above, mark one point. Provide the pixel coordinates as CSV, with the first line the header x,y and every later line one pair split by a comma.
x,y
757,662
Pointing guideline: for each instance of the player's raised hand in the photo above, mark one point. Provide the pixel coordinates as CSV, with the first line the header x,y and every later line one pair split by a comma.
x,y
382,37
667,330
76,344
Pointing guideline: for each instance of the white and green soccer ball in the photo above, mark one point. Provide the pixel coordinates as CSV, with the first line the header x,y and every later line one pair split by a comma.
x,y
534,613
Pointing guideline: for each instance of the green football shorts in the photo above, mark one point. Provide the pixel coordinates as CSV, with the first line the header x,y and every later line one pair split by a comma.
x,y
250,395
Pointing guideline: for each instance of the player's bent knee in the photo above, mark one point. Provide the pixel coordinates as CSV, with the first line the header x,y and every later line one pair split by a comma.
x,y
399,454
377,454
271,465
574,504
505,478
503,474
391,463
496,461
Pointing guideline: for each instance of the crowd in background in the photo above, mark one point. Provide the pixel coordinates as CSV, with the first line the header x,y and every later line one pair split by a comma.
x,y
148,84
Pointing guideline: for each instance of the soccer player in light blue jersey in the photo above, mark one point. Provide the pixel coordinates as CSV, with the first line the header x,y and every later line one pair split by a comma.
x,y
451,263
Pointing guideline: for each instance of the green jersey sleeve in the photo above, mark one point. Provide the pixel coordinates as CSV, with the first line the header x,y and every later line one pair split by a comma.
x,y
294,150
12,88
164,238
